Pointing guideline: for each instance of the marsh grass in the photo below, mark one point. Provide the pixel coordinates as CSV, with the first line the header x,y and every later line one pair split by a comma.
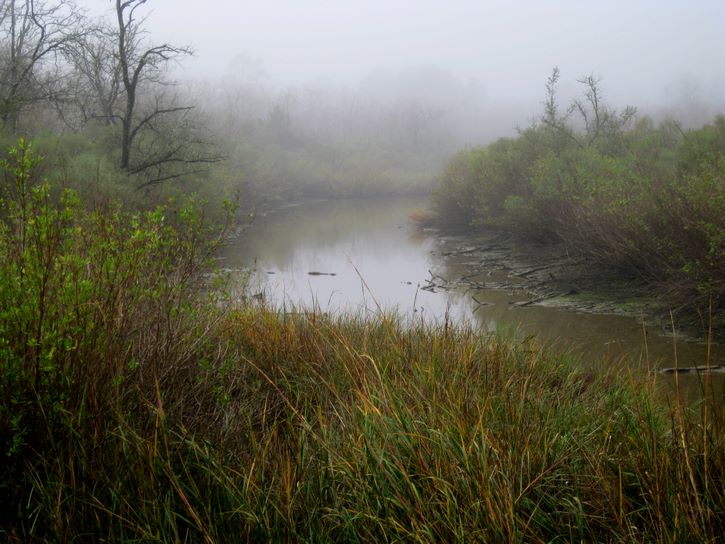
x,y
137,407
347,430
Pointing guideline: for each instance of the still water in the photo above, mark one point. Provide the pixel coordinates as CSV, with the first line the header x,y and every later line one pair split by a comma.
x,y
365,256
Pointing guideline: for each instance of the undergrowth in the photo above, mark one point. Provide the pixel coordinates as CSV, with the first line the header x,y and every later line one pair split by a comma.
x,y
137,406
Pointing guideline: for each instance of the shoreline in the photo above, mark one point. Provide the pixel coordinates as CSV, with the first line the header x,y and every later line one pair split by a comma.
x,y
494,259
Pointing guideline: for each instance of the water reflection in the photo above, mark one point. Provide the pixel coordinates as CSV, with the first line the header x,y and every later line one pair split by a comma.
x,y
341,256
363,255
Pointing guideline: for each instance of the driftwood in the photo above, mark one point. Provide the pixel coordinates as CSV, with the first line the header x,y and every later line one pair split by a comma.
x,y
698,369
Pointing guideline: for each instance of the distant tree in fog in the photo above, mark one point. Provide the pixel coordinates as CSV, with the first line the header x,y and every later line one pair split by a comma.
x,y
158,139
98,84
601,125
35,37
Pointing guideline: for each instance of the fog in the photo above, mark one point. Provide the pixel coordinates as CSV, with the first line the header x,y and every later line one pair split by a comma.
x,y
480,64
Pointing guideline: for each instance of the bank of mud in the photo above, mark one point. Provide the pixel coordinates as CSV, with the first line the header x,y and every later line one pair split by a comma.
x,y
550,276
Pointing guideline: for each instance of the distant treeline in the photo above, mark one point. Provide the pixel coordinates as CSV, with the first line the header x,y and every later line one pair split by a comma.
x,y
633,196
97,97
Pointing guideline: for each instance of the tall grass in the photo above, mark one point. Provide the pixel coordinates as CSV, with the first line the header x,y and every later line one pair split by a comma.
x,y
136,409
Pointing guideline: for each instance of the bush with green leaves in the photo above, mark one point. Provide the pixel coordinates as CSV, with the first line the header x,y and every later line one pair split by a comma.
x,y
99,309
636,198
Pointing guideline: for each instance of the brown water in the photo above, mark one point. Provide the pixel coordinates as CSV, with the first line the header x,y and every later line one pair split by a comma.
x,y
365,256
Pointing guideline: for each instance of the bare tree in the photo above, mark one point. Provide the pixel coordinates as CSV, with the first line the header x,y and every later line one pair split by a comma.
x,y
97,83
599,121
551,108
34,37
159,140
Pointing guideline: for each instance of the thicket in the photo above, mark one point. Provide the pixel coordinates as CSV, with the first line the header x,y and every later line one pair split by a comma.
x,y
641,199
137,405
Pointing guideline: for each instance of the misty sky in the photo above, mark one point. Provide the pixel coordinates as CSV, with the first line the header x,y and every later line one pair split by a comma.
x,y
646,50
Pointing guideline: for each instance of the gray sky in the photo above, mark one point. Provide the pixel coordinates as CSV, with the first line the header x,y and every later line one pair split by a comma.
x,y
646,50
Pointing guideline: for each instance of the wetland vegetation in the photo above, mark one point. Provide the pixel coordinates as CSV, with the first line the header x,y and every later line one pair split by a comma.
x,y
136,407
145,396
631,197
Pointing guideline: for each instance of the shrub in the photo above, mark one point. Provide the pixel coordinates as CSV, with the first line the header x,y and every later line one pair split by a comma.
x,y
644,201
99,312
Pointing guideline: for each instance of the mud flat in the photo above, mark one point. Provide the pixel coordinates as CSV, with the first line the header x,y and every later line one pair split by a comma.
x,y
548,276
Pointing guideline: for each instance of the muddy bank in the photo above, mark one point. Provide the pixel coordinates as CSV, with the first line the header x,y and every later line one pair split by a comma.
x,y
549,276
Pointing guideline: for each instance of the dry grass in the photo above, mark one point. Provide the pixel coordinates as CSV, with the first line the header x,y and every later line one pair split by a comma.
x,y
317,429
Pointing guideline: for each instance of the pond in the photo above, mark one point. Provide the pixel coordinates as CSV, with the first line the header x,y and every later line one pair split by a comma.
x,y
366,256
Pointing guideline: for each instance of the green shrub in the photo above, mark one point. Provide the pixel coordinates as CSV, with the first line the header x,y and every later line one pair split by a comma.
x,y
644,201
703,150
98,310
453,198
